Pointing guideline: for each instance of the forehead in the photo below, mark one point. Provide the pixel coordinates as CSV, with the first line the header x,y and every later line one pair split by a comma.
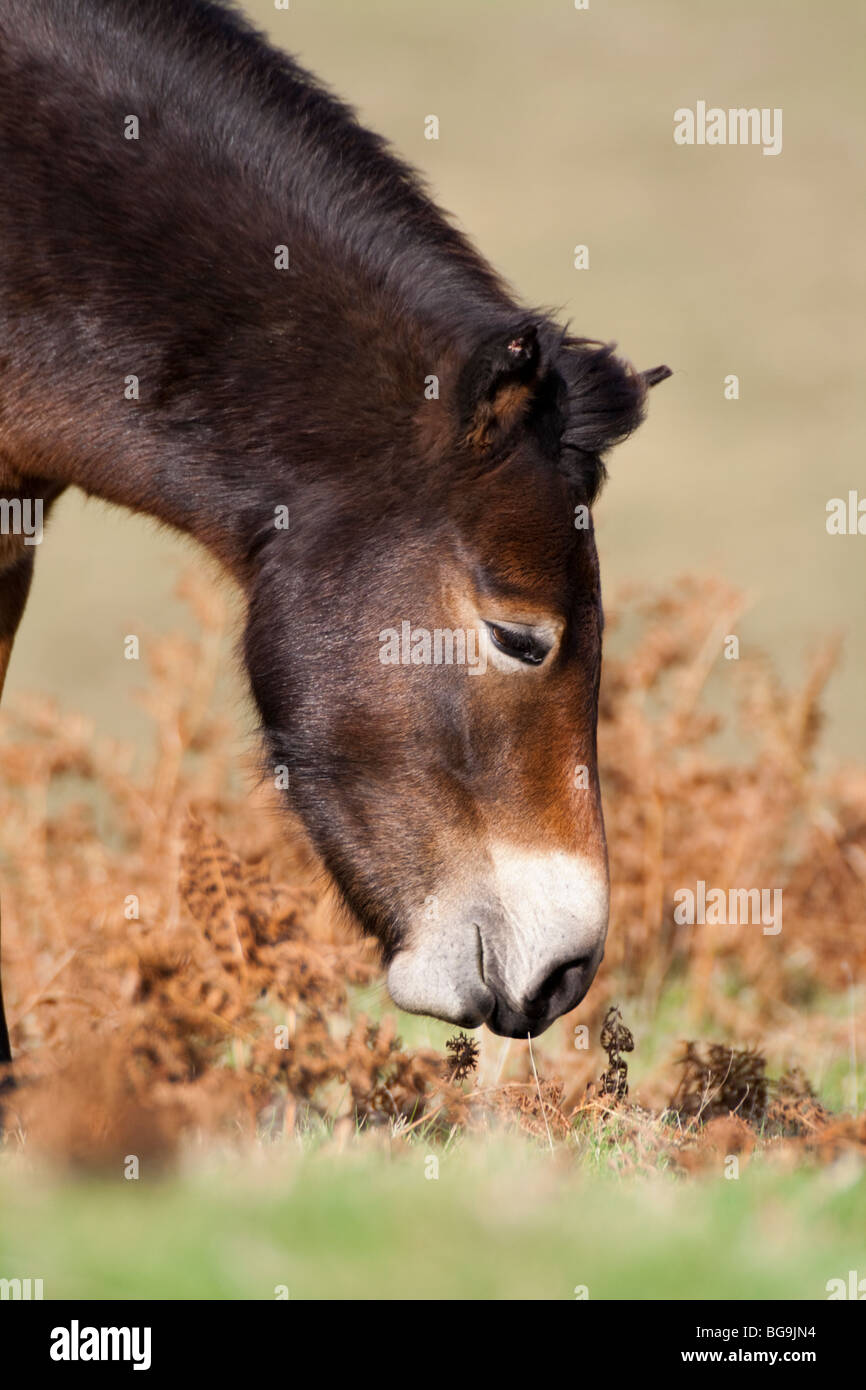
x,y
519,540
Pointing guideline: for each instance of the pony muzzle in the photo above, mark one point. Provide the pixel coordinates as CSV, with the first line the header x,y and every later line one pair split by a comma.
x,y
525,954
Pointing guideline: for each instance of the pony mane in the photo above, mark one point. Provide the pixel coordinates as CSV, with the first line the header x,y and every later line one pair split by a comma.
x,y
604,401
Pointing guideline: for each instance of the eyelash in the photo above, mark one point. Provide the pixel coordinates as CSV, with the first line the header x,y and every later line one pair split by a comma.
x,y
522,646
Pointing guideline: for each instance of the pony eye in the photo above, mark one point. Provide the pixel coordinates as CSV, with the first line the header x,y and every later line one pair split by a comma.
x,y
518,643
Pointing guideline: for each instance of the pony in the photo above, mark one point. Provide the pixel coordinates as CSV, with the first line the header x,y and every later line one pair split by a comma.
x,y
226,305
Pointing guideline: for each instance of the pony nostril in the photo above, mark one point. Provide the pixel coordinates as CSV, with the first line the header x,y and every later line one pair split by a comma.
x,y
570,979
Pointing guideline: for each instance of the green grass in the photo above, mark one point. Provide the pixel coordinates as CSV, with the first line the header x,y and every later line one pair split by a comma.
x,y
501,1221
504,1219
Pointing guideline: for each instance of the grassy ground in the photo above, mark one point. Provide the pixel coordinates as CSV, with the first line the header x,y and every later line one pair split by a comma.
x,y
338,1212
498,1222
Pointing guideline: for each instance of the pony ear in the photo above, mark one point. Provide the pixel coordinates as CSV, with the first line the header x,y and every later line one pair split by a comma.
x,y
655,375
497,383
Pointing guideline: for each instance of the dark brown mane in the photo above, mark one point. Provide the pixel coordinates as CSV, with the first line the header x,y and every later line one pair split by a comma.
x,y
605,404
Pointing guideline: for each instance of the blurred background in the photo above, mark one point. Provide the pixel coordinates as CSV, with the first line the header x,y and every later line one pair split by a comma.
x,y
556,130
